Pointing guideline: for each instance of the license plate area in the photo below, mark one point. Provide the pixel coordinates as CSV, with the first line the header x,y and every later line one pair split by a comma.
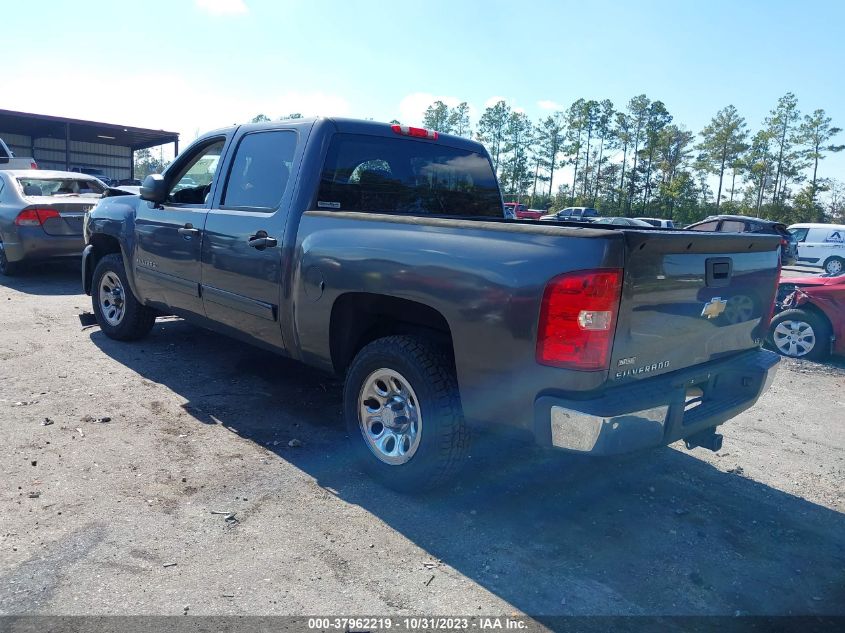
x,y
693,398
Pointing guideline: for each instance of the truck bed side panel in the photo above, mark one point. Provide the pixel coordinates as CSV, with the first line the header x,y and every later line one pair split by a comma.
x,y
486,279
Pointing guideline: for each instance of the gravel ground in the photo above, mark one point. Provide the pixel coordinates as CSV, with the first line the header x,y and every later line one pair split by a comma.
x,y
158,478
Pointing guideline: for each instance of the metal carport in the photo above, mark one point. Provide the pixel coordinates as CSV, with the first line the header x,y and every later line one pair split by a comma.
x,y
61,143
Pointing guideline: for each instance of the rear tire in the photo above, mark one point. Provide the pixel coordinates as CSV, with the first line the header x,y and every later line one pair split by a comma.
x,y
7,268
403,414
800,333
119,314
834,265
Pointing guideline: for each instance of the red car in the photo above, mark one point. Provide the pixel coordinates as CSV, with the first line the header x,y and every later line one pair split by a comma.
x,y
521,212
809,319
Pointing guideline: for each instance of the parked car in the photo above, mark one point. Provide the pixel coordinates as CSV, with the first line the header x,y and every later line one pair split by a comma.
x,y
742,224
93,171
810,317
8,160
572,214
619,221
521,212
820,245
658,222
326,240
41,215
132,182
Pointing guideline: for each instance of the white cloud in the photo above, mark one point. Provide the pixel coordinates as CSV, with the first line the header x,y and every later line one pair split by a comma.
x,y
545,104
494,100
413,106
222,7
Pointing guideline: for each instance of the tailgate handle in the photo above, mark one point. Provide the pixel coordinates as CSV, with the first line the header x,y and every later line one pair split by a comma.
x,y
718,271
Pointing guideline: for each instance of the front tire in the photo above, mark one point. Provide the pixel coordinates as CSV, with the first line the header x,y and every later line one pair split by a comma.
x,y
834,265
800,334
119,314
403,413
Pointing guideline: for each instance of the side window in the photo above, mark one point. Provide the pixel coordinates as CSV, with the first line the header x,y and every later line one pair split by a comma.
x,y
706,226
815,236
193,182
732,226
800,234
260,170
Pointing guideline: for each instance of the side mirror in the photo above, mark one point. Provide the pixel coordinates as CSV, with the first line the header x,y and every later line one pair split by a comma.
x,y
154,189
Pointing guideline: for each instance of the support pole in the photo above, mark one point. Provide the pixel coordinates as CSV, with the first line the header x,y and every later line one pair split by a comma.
x,y
67,146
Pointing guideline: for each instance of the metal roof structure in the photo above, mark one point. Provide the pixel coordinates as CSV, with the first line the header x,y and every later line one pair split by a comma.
x,y
64,143
46,126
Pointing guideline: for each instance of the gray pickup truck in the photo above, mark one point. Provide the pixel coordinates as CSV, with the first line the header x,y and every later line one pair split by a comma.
x,y
381,253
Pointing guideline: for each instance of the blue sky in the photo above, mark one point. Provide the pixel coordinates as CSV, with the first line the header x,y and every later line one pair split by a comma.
x,y
191,65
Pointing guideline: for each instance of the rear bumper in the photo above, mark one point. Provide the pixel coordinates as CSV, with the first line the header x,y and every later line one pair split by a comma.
x,y
32,244
655,411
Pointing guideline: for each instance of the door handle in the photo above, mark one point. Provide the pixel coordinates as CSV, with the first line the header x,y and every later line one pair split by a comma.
x,y
188,230
261,240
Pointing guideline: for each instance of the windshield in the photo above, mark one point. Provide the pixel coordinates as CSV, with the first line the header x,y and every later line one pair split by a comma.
x,y
32,187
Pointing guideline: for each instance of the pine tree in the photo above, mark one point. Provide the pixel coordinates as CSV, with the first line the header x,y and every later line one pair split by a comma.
x,y
815,131
722,140
436,117
575,128
637,113
551,137
516,174
656,119
603,130
459,120
491,130
781,124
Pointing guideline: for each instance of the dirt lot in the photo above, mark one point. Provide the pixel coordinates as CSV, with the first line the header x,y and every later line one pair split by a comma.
x,y
109,506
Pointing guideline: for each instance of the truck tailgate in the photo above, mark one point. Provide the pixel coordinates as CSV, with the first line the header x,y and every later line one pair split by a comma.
x,y
689,298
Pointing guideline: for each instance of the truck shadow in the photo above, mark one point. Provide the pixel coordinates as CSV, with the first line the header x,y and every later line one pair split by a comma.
x,y
658,533
48,278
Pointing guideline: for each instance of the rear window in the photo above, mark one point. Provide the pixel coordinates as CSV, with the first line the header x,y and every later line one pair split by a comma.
x,y
386,175
32,187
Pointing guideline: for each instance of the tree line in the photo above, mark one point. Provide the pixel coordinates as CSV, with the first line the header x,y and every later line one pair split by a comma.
x,y
638,161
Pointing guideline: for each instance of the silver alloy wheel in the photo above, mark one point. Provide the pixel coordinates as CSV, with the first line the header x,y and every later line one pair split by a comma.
x,y
389,416
834,266
794,338
112,298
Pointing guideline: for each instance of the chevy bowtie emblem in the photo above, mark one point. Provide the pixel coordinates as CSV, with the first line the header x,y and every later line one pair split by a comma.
x,y
714,307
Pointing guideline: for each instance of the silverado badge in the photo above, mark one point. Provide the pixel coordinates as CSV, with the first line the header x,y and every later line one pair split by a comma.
x,y
714,307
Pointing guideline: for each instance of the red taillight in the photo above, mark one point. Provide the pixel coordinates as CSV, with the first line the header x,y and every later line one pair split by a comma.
x,y
33,165
35,217
578,319
416,132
